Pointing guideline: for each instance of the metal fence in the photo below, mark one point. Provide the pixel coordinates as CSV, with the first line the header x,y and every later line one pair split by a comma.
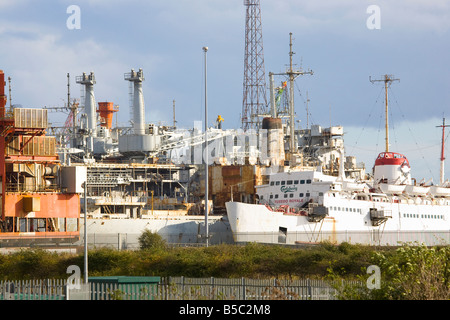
x,y
377,237
49,289
174,288
182,288
129,241
120,291
123,241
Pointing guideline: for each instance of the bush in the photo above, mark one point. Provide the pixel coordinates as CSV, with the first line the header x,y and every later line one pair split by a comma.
x,y
151,240
108,262
411,272
30,264
416,272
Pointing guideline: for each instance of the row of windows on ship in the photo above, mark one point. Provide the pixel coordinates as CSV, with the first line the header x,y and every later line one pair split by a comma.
x,y
358,210
291,195
426,216
405,215
289,182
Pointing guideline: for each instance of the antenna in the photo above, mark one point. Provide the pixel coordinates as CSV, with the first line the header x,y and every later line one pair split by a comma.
x,y
292,75
307,111
441,179
174,121
68,90
9,87
388,79
73,110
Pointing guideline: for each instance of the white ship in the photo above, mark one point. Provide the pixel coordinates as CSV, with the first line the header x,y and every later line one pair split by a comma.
x,y
309,206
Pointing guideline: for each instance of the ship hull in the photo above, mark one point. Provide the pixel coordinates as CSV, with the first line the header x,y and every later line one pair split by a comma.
x,y
347,221
180,229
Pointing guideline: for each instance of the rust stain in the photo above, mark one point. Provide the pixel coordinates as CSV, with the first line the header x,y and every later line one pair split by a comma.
x,y
241,179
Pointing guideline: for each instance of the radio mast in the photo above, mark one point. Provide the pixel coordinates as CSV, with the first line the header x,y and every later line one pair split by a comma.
x,y
388,79
254,98
441,177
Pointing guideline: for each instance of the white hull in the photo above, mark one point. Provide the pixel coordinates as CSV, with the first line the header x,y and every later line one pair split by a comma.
x,y
115,232
347,221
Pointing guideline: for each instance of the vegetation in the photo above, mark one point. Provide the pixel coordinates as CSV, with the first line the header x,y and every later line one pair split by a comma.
x,y
151,240
411,272
408,272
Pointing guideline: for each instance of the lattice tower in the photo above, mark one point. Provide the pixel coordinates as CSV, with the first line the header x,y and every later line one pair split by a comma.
x,y
254,97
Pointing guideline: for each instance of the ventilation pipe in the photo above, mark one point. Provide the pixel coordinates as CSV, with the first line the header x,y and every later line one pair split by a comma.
x,y
138,101
89,103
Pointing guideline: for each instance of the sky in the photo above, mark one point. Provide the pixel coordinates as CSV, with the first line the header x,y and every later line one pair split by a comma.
x,y
165,39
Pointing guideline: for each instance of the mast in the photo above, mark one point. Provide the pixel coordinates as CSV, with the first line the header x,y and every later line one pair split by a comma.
x,y
10,98
174,121
307,111
292,75
387,82
441,176
291,97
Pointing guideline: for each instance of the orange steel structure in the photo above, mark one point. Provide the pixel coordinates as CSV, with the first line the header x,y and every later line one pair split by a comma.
x,y
106,111
34,206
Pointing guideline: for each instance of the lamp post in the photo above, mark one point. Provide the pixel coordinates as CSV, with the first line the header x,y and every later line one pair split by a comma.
x,y
85,235
205,50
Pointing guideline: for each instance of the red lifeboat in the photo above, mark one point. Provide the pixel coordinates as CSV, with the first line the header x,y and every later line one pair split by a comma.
x,y
392,159
392,168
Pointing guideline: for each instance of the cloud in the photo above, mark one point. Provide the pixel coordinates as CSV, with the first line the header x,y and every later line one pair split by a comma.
x,y
348,17
412,17
165,39
38,59
8,4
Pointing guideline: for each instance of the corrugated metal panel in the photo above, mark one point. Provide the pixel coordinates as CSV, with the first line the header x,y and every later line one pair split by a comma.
x,y
30,118
38,146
